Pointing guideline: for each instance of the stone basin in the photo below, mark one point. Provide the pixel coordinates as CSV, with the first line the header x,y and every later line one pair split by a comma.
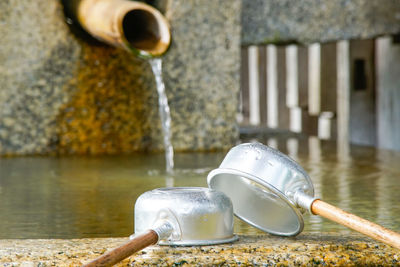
x,y
251,250
65,214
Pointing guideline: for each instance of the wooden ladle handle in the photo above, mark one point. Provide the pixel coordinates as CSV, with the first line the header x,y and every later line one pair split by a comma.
x,y
354,222
118,254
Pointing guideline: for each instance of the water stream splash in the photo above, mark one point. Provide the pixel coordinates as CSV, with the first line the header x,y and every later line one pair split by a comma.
x,y
165,115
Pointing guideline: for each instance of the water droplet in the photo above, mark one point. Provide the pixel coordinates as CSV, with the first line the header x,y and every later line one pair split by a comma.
x,y
69,21
175,236
258,154
163,215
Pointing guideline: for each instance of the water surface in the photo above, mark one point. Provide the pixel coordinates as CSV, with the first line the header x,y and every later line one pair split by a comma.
x,y
76,197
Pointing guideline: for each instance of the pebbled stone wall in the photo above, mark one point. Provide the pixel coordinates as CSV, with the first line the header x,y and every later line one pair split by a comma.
x,y
308,21
60,94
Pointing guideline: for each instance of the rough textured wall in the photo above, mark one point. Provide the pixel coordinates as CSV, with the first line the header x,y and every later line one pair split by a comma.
x,y
202,72
307,21
37,60
61,94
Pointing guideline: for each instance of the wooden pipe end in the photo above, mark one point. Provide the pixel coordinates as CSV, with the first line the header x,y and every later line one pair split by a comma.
x,y
132,25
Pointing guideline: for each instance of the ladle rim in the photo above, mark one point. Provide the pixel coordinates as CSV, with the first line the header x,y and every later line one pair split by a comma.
x,y
214,173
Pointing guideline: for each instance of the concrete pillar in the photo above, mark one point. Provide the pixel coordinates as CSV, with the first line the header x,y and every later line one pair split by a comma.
x,y
388,90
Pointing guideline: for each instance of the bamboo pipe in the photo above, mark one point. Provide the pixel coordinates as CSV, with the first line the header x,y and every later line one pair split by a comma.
x,y
134,26
354,222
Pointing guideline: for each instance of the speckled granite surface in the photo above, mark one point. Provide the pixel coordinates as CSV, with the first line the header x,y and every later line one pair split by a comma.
x,y
303,250
307,21
60,94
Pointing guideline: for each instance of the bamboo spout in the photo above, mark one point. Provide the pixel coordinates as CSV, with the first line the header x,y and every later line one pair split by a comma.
x,y
135,26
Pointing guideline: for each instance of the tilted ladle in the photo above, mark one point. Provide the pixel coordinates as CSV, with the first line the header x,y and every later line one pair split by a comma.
x,y
270,191
179,216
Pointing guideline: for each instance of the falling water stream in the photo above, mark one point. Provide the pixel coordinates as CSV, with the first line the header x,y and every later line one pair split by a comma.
x,y
165,116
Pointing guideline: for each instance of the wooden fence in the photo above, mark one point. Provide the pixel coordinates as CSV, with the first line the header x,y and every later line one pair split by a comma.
x,y
324,90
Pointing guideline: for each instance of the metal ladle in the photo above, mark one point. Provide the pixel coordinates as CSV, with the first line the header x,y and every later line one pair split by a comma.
x,y
179,216
270,191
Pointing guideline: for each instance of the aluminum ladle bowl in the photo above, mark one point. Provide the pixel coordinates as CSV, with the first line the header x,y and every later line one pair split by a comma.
x,y
198,216
264,186
179,216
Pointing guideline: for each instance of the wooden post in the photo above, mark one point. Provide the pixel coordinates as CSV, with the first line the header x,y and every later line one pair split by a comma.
x,y
254,94
272,87
244,86
362,93
343,97
263,77
388,106
283,110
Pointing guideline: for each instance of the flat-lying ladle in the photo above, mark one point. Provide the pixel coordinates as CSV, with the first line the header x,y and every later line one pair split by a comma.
x,y
179,216
270,191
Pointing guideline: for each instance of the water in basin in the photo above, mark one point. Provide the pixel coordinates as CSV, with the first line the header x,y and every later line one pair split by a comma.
x,y
77,197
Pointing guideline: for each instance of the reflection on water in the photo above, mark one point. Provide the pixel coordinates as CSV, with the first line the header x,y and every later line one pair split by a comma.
x,y
75,197
85,197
